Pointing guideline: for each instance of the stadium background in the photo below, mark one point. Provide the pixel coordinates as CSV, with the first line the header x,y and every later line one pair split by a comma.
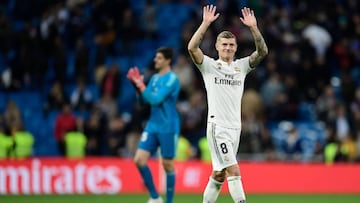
x,y
307,86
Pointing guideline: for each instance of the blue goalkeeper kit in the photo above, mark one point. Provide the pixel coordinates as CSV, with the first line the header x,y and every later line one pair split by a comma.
x,y
163,126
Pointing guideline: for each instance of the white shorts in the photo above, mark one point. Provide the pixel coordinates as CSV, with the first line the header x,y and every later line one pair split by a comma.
x,y
224,144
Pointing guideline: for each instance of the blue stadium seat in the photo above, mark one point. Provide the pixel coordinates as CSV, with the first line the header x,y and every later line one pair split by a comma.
x,y
306,111
144,60
18,25
311,134
70,69
124,64
51,118
33,119
33,100
95,91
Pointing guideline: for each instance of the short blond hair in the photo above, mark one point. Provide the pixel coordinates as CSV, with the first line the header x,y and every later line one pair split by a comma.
x,y
225,34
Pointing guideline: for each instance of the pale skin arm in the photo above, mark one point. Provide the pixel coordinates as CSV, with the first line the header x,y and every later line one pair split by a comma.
x,y
209,16
261,51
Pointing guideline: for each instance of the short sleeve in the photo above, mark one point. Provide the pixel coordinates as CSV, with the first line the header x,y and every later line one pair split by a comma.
x,y
205,64
245,64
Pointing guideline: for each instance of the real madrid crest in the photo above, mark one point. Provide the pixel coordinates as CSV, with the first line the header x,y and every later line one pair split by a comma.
x,y
219,66
237,69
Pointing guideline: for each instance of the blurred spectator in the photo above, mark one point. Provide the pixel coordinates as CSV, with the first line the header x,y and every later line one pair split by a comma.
x,y
81,98
348,88
149,21
271,87
82,55
104,40
306,72
278,111
65,121
116,136
355,115
93,129
107,106
255,128
332,148
319,38
77,25
31,55
6,81
348,149
326,104
357,133
129,31
252,104
140,113
74,3
48,31
6,144
2,123
355,103
100,72
293,98
60,59
186,34
111,82
6,34
342,54
185,73
62,16
267,147
252,109
343,128
291,147
12,117
132,140
247,141
56,97
193,120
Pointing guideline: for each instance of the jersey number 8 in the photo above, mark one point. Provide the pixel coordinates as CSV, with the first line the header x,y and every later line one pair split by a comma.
x,y
223,148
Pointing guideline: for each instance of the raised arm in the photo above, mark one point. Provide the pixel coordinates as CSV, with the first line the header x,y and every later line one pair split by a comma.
x,y
209,16
261,51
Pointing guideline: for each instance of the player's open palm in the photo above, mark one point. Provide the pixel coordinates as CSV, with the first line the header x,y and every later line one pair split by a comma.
x,y
248,17
209,15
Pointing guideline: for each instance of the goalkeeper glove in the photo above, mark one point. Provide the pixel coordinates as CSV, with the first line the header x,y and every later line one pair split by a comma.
x,y
134,76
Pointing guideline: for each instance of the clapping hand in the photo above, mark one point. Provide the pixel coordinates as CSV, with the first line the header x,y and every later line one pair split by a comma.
x,y
134,76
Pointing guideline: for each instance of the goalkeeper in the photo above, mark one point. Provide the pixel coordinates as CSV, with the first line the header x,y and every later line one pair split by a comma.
x,y
162,128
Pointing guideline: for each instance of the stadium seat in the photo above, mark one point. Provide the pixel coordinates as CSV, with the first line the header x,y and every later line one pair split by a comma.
x,y
306,112
311,133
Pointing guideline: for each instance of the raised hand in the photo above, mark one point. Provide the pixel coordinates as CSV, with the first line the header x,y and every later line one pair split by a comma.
x,y
134,76
248,18
209,15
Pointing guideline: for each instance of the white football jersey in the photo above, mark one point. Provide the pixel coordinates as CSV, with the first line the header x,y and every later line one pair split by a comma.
x,y
224,85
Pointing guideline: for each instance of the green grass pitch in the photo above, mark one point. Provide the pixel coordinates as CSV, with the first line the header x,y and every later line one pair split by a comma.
x,y
180,198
